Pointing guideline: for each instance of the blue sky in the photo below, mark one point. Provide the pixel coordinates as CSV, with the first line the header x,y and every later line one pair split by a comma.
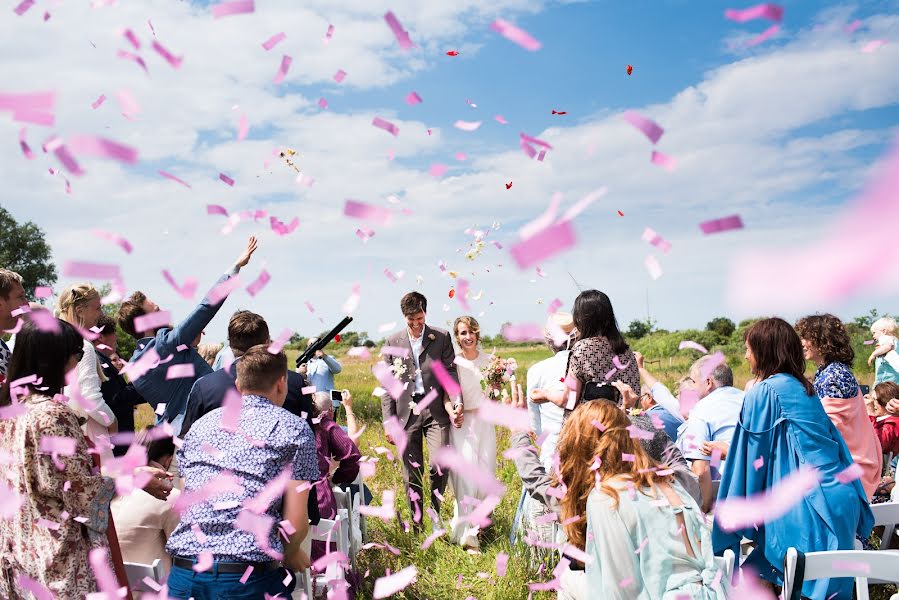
x,y
782,134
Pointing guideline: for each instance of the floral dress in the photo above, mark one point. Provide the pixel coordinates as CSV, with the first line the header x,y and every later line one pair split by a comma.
x,y
63,508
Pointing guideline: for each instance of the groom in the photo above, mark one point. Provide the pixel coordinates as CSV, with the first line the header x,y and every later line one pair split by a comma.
x,y
426,345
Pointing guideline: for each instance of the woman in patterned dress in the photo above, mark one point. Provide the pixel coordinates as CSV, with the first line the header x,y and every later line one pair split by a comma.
x,y
55,509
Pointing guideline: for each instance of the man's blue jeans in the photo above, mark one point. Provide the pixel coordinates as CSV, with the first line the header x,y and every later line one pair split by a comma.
x,y
212,585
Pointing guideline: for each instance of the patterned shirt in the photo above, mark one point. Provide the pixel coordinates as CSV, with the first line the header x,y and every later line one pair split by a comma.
x,y
225,471
592,359
835,380
5,355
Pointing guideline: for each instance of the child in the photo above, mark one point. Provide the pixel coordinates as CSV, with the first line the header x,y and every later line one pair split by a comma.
x,y
886,425
885,357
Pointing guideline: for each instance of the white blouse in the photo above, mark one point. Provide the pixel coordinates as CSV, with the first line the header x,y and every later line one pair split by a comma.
x,y
101,416
470,377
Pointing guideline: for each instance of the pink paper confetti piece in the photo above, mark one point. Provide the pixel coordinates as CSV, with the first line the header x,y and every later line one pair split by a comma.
x,y
23,7
42,291
627,457
309,389
99,101
720,225
528,149
26,150
385,377
688,399
330,33
386,126
204,559
116,239
260,282
186,291
543,245
653,267
234,7
467,125
438,170
128,103
850,473
504,415
282,70
432,538
526,332
226,179
274,41
736,512
656,240
367,212
283,229
711,364
763,36
514,34
88,270
692,345
649,128
663,160
102,568
758,463
243,128
175,179
426,401
502,562
340,75
770,11
359,352
402,36
873,46
501,120
89,145
413,98
132,38
536,141
391,584
154,320
278,343
716,458
133,58
170,58
179,371
449,385
851,566
246,574
322,103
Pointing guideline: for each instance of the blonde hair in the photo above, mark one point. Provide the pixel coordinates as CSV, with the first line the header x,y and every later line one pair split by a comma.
x,y
72,298
209,351
887,324
472,325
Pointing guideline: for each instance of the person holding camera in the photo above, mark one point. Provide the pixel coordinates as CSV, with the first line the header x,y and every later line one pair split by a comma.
x,y
320,371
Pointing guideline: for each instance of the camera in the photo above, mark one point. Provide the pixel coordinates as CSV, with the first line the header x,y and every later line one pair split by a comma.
x,y
336,396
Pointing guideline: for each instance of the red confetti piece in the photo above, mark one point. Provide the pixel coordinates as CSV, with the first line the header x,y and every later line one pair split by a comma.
x,y
560,112
452,292
337,338
630,69
509,185
620,214
452,53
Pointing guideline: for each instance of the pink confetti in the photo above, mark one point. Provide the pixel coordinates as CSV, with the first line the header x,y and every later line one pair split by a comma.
x,y
688,399
716,458
88,270
656,240
527,332
449,385
339,76
514,34
543,245
116,239
758,463
438,170
274,40
42,291
330,33
367,212
528,149
460,156
652,266
106,579
179,371
186,291
627,457
429,397
132,39
89,145
234,7
282,70
501,120
693,345
736,512
284,229
532,140
26,150
226,179
432,538
649,128
413,98
278,343
322,103
391,584
504,415
128,103
385,377
873,45
850,473
365,234
170,58
243,128
204,559
100,100
386,126
467,125
663,160
720,225
246,574
133,58
765,35
402,36
153,320
23,7
711,364
175,179
770,11
502,562
260,282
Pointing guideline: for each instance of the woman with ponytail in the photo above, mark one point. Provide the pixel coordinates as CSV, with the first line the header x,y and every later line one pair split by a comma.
x,y
644,535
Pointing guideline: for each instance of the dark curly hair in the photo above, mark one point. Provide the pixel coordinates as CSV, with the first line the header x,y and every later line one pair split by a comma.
x,y
829,336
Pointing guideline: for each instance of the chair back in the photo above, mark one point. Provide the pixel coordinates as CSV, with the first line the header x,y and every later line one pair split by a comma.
x,y
137,572
858,564
886,514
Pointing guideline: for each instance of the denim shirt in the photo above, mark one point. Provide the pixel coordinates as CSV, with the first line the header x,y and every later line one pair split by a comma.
x,y
153,384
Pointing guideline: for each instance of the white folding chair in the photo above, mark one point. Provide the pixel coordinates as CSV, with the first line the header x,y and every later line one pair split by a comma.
x,y
334,533
726,564
886,514
862,566
344,501
303,590
136,572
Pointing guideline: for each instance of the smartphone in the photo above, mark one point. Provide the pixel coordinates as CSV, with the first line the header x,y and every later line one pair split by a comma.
x,y
865,389
336,396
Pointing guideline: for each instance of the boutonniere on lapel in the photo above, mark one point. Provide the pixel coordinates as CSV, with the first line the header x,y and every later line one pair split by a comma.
x,y
398,367
432,337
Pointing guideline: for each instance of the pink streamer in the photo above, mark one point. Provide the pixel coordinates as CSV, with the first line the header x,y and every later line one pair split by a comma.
x,y
649,128
367,212
656,240
765,35
187,290
720,225
386,126
274,40
260,282
234,7
449,385
693,345
226,179
170,58
770,11
282,70
543,245
514,34
132,39
736,512
663,160
402,36
100,100
153,320
175,179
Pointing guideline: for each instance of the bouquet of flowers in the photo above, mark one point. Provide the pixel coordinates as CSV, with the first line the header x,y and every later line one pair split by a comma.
x,y
496,373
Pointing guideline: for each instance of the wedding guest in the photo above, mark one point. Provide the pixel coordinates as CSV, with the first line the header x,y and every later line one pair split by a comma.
x,y
79,305
214,564
224,358
658,400
886,425
49,481
645,533
782,426
425,346
173,345
209,351
12,296
143,522
320,370
825,342
118,394
333,446
475,439
885,357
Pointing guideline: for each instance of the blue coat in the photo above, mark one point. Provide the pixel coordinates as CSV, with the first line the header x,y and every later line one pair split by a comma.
x,y
789,429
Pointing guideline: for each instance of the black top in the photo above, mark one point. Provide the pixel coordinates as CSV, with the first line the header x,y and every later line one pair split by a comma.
x,y
120,396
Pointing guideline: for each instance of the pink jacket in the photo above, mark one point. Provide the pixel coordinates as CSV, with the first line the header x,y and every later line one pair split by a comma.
x,y
850,417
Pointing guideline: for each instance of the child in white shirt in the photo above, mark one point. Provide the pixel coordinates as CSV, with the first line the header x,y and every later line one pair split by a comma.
x,y
884,357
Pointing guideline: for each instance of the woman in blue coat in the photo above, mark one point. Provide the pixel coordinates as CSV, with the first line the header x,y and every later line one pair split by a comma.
x,y
783,428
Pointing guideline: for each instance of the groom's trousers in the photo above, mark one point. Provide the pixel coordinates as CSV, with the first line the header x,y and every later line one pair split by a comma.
x,y
419,429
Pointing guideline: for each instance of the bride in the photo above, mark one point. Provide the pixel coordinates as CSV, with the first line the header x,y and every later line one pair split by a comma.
x,y
475,440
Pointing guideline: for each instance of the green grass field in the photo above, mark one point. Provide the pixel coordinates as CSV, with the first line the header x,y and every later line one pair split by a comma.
x,y
446,571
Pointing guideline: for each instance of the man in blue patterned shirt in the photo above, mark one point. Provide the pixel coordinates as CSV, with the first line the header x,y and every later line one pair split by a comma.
x,y
246,469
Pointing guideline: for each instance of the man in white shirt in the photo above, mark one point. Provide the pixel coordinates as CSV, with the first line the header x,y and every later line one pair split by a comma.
x,y
713,419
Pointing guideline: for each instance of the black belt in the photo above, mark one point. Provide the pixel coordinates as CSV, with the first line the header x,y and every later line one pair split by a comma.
x,y
229,567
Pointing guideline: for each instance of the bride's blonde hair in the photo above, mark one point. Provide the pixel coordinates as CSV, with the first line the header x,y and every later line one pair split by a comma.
x,y
72,298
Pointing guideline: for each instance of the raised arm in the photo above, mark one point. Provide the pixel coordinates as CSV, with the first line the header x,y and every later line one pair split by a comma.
x,y
332,363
